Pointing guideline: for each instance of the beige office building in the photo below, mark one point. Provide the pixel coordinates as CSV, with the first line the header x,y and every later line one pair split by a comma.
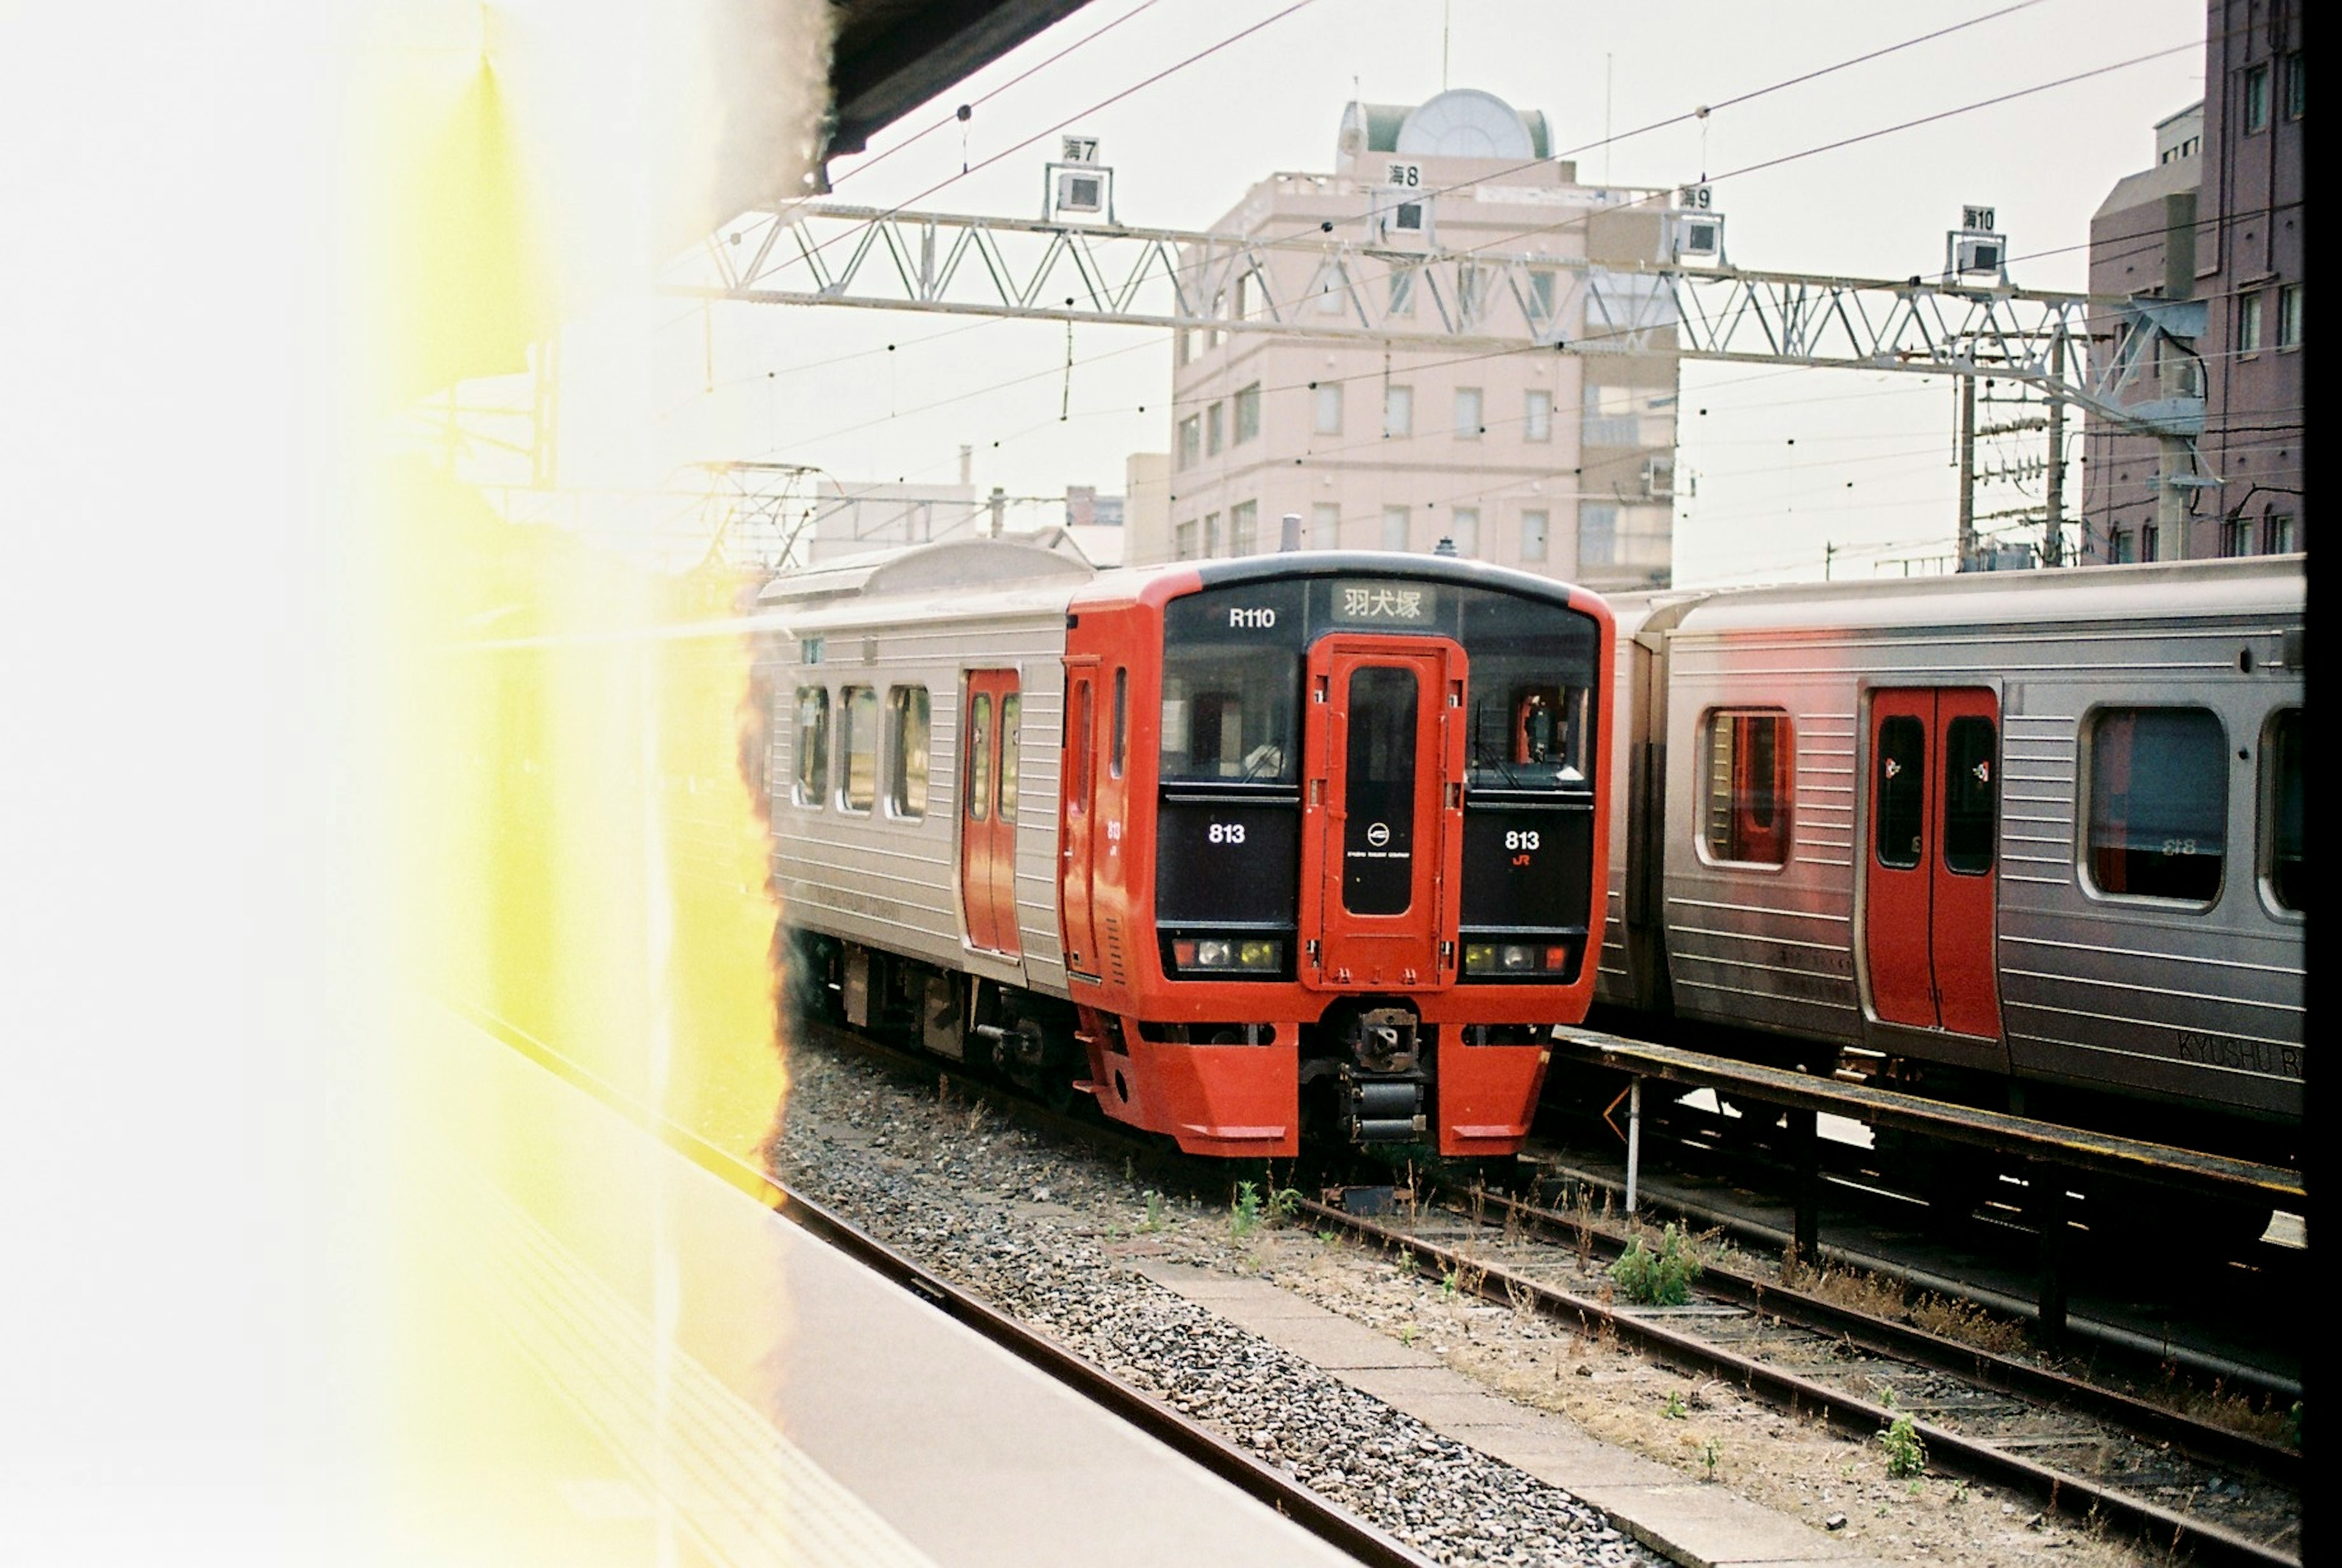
x,y
1558,463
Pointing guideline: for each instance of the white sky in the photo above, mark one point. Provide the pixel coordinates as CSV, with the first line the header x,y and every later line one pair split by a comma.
x,y
1869,467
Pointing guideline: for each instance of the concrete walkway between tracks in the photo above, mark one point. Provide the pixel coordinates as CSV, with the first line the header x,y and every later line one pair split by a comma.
x,y
1697,1524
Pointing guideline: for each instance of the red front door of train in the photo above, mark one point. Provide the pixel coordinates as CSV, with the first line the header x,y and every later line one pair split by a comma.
x,y
1382,835
1929,882
987,810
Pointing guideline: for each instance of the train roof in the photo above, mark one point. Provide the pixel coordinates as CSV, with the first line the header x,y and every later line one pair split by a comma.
x,y
2265,585
947,565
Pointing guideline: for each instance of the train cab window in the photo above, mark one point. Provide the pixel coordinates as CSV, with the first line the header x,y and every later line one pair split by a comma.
x,y
1970,814
2281,814
2158,808
813,745
1121,719
1898,800
1528,731
1010,706
858,739
1228,715
908,723
979,757
1745,816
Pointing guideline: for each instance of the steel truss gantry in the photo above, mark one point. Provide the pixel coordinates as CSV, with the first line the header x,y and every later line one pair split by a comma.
x,y
1317,284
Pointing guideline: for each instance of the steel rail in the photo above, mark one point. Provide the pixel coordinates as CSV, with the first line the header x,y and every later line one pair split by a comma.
x,y
2208,1444
2061,1490
2073,1496
1204,1448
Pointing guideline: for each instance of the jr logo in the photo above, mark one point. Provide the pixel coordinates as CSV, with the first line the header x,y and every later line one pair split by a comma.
x,y
1252,620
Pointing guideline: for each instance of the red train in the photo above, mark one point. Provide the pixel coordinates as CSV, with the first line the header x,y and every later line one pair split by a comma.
x,y
1206,841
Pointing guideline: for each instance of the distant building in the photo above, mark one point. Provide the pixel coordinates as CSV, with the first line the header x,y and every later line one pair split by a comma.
x,y
2218,219
1560,464
850,518
1085,508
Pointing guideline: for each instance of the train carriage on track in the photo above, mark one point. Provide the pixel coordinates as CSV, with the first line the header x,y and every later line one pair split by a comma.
x,y
2034,840
1204,841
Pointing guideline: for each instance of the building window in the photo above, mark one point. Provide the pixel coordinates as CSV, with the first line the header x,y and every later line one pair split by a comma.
x,y
1597,534
1467,413
1398,411
2257,98
2248,322
2236,537
2296,87
2119,549
1466,530
1183,345
1327,405
1610,417
1182,541
2158,802
1331,296
1534,525
2288,316
908,719
2282,770
1745,816
1244,528
858,739
2150,538
1398,522
1216,429
813,745
1537,415
2276,533
1325,526
1211,535
1248,414
1402,291
1191,440
1541,297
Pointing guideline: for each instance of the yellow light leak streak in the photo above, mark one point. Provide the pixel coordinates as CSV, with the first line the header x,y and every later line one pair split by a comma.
x,y
580,856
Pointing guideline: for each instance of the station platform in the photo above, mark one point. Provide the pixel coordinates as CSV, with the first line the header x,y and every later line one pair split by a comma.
x,y
619,1358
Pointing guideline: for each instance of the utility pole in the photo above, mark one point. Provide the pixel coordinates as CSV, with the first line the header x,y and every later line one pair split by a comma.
x,y
2053,526
1828,552
1967,543
999,502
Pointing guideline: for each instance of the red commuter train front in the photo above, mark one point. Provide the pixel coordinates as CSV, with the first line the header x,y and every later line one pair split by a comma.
x,y
1333,827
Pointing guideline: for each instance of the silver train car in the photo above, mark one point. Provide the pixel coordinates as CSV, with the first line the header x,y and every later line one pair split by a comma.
x,y
2027,840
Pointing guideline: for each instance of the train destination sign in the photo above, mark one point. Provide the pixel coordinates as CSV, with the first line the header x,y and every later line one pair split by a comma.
x,y
1405,604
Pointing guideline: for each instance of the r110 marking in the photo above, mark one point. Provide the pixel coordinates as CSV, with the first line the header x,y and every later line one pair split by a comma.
x,y
1526,839
1227,833
1260,620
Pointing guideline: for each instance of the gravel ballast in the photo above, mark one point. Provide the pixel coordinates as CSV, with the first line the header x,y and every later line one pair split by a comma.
x,y
1034,1228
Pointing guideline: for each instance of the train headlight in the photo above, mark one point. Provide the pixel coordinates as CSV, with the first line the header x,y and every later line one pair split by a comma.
x,y
1515,960
1230,955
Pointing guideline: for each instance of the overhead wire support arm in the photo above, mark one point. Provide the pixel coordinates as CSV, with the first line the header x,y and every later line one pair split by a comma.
x,y
1478,301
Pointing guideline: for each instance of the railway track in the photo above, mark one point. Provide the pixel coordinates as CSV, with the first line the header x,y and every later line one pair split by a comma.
x,y
2061,1440
1983,1416
1190,1438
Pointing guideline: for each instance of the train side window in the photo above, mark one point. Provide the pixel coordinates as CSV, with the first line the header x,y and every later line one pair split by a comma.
x,y
2281,791
909,720
2158,802
1011,705
1121,718
979,757
1971,816
1746,815
858,739
1899,795
813,745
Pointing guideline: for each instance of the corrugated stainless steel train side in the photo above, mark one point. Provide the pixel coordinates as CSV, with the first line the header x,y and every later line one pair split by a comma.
x,y
2192,1001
